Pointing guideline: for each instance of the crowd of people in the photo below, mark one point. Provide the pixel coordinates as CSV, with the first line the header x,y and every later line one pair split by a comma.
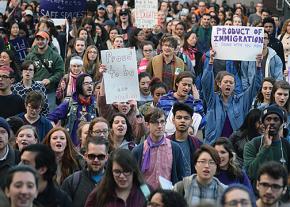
x,y
205,132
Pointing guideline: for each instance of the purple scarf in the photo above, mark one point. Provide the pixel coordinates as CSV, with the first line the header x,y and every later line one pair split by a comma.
x,y
151,144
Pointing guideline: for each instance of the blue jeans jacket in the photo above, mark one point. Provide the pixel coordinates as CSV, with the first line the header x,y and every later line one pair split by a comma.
x,y
236,108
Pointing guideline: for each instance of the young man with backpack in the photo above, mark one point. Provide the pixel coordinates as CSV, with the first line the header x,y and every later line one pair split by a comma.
x,y
80,184
80,107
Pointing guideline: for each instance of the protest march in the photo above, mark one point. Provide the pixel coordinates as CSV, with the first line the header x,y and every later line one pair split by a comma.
x,y
144,103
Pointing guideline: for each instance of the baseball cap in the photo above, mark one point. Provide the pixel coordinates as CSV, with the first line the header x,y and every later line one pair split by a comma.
x,y
28,12
102,6
124,11
42,34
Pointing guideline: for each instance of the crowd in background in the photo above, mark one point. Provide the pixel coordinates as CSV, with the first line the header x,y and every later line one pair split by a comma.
x,y
218,131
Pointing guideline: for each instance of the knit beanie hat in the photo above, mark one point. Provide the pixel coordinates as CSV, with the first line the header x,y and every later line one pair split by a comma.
x,y
273,109
4,124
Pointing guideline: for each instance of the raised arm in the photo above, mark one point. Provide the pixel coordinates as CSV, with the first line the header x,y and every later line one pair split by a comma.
x,y
207,80
255,86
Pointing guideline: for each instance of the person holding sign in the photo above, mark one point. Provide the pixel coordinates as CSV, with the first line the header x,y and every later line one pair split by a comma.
x,y
271,65
129,109
225,110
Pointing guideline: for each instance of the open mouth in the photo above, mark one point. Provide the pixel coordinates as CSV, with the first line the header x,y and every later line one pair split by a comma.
x,y
24,143
206,171
58,145
120,129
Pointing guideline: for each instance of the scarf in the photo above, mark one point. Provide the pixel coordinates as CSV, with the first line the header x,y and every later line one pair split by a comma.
x,y
151,144
71,86
85,101
191,52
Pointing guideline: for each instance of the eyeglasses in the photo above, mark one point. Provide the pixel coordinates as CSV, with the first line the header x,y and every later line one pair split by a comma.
x,y
88,83
93,157
29,69
118,173
204,162
274,187
105,131
4,77
243,202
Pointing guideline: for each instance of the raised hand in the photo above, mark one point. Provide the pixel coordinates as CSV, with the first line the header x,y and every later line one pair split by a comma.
x,y
267,139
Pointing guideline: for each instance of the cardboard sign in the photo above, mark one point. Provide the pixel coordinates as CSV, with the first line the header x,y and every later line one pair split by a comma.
x,y
237,42
62,9
146,13
3,5
121,78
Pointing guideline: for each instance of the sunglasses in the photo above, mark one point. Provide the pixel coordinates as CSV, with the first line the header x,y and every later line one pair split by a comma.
x,y
93,157
123,14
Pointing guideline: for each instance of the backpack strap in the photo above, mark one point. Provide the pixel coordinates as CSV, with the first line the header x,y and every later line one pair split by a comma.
x,y
76,178
145,191
195,142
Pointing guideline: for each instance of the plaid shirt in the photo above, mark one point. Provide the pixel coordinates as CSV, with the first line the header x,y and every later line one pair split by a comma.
x,y
194,193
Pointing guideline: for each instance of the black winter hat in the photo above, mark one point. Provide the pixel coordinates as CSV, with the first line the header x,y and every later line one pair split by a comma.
x,y
4,124
273,109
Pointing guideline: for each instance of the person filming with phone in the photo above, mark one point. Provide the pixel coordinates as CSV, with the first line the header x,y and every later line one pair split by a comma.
x,y
271,145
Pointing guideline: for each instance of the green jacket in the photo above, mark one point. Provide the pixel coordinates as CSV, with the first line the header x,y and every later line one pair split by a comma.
x,y
255,154
51,67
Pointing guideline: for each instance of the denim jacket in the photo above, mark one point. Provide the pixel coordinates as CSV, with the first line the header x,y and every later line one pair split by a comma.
x,y
236,108
274,66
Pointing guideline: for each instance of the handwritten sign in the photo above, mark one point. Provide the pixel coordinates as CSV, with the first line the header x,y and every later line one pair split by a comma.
x,y
237,42
121,78
146,13
3,5
62,9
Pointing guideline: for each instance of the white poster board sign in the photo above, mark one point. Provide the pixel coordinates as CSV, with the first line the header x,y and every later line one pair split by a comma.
x,y
237,42
146,13
3,5
121,77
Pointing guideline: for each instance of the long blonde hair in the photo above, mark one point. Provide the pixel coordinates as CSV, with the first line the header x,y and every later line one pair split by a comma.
x,y
96,74
284,28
